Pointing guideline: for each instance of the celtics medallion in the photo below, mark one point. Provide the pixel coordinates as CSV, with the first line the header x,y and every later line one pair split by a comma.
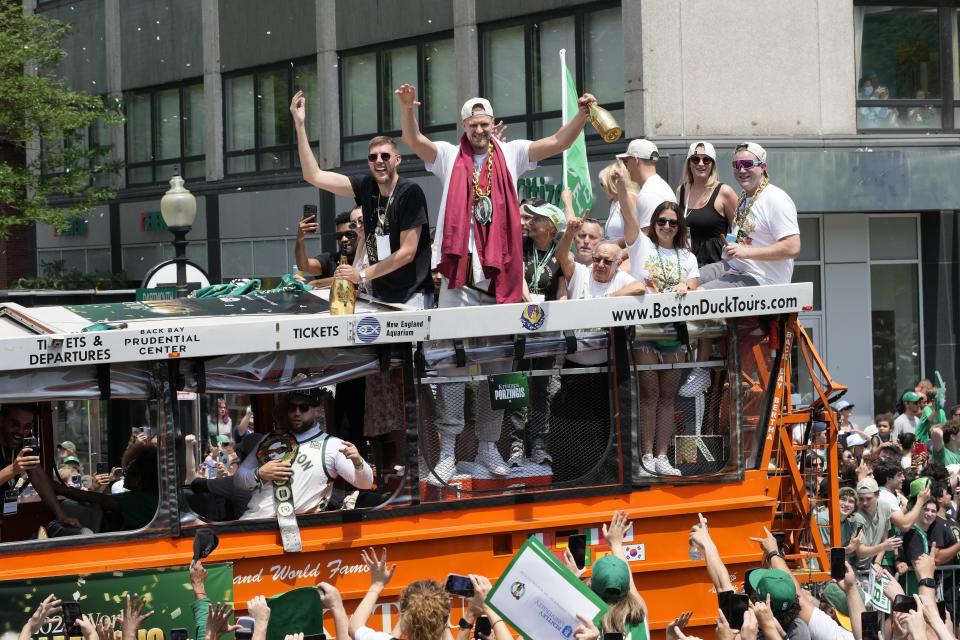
x,y
282,446
482,209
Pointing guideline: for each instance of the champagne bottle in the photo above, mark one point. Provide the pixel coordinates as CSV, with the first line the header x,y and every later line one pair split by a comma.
x,y
343,295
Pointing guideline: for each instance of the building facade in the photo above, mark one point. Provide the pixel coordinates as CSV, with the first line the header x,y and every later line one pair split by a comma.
x,y
856,101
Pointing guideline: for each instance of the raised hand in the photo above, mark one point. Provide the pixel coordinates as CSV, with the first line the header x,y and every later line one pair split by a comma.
x,y
499,131
407,96
379,573
587,630
298,108
133,615
571,563
49,608
677,625
767,543
584,103
619,524
259,610
218,621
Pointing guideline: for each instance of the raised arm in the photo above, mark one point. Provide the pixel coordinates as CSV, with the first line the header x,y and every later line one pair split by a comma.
x,y
904,521
564,257
560,141
327,180
379,578
719,576
628,204
333,602
304,262
412,137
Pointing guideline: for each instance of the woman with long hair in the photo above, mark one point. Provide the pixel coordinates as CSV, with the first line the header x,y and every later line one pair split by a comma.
x,y
709,206
662,262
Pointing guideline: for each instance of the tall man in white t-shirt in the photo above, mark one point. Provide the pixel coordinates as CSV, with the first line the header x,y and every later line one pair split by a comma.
x,y
477,247
767,239
907,421
640,159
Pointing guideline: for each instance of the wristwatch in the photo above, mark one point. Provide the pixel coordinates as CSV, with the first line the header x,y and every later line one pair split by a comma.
x,y
928,582
466,626
363,277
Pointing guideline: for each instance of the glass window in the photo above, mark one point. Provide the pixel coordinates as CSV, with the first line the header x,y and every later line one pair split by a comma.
x,y
809,239
895,317
594,54
809,273
164,129
899,83
429,66
259,130
893,238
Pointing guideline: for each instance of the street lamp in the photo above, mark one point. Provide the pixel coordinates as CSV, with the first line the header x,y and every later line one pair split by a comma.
x,y
179,210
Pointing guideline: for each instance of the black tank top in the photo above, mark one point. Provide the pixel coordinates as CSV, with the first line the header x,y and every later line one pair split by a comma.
x,y
707,228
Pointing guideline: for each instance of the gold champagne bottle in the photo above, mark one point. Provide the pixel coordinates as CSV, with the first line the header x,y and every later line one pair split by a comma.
x,y
343,295
604,122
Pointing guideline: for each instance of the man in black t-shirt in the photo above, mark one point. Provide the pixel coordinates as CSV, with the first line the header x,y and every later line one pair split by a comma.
x,y
394,218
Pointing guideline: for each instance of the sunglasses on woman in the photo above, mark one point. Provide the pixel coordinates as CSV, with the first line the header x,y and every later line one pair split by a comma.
x,y
704,160
668,222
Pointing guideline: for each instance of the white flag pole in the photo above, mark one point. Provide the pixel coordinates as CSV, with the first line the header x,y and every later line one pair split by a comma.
x,y
563,106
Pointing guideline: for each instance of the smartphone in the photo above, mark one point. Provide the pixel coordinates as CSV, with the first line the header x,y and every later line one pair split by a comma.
x,y
858,531
942,610
904,604
103,467
178,634
779,537
838,563
33,443
245,632
482,629
459,585
71,613
578,549
870,625
309,210
733,605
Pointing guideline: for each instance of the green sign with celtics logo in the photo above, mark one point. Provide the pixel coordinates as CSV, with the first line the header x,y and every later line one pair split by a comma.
x,y
102,595
509,390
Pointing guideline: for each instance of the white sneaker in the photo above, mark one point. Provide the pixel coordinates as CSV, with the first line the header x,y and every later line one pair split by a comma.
x,y
663,467
539,453
488,456
647,466
697,383
446,466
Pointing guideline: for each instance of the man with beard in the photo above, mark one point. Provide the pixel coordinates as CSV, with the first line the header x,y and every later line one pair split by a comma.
x,y
477,246
16,423
320,459
394,218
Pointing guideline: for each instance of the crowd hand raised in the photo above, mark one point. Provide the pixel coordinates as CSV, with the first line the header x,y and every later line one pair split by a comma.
x,y
584,103
99,480
767,543
218,621
764,614
380,575
677,625
481,587
571,564
407,96
133,615
48,608
724,632
88,630
916,625
330,596
699,534
298,108
587,630
619,523
25,461
750,626
275,470
259,610
105,628
500,131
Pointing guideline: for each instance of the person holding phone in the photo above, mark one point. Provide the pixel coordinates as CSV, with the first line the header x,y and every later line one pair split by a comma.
x,y
16,423
323,265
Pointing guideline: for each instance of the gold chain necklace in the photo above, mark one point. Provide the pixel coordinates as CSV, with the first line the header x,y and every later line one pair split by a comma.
x,y
477,190
742,215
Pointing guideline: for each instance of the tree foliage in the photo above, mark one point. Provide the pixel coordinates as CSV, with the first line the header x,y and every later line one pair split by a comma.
x,y
38,111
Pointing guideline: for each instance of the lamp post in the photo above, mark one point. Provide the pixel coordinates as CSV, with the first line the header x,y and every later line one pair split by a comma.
x,y
179,210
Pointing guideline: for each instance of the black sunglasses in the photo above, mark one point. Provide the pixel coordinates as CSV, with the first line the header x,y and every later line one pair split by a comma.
x,y
352,235
302,408
372,157
667,222
608,261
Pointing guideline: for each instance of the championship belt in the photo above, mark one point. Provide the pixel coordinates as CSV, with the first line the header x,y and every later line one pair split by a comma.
x,y
282,446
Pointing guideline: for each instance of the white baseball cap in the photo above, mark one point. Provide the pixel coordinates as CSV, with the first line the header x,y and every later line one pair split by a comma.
x,y
756,150
470,107
641,148
708,149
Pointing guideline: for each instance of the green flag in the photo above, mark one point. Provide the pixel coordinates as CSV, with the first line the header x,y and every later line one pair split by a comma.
x,y
576,171
297,610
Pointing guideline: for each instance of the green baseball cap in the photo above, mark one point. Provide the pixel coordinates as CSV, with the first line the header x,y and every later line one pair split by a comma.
x,y
549,211
777,584
611,578
919,485
911,396
837,599
222,439
70,459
